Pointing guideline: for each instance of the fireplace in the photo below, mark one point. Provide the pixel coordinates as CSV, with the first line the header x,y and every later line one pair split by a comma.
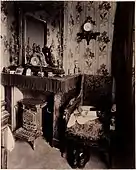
x,y
55,91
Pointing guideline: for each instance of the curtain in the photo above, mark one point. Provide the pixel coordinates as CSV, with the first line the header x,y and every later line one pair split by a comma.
x,y
122,51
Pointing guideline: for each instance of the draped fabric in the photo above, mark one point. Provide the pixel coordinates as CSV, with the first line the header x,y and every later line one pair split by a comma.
x,y
122,69
53,85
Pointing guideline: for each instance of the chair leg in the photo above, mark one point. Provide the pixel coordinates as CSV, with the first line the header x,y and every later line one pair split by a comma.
x,y
109,160
106,158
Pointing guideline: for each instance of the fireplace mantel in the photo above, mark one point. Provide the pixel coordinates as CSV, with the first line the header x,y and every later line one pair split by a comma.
x,y
50,84
60,87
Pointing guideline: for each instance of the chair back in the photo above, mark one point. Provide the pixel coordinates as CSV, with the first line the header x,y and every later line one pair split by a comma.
x,y
97,90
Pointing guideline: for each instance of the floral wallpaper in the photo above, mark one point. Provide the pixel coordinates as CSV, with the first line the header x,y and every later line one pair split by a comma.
x,y
9,38
90,57
97,55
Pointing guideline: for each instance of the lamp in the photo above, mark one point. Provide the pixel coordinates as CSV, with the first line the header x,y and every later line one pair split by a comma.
x,y
87,31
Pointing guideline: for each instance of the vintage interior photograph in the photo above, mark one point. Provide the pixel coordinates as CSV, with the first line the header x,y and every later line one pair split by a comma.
x,y
67,85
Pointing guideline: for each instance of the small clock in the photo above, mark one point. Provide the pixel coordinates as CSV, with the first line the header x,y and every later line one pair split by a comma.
x,y
35,61
87,26
87,32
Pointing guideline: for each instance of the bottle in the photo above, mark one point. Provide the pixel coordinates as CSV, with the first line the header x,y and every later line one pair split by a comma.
x,y
76,69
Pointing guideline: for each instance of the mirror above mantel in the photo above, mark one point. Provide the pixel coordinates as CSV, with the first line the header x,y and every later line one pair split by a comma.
x,y
39,32
35,38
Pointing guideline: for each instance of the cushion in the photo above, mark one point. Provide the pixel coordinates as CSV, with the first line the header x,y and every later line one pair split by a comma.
x,y
82,117
91,130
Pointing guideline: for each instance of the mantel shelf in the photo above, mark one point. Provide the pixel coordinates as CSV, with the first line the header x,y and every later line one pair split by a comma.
x,y
52,84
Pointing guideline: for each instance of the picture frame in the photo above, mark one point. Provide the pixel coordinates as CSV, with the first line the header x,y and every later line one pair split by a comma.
x,y
19,71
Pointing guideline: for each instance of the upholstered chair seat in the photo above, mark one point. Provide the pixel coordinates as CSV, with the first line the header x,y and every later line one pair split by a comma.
x,y
87,129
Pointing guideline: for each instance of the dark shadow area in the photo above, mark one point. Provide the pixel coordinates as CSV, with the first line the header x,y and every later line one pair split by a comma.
x,y
47,119
77,154
19,115
122,72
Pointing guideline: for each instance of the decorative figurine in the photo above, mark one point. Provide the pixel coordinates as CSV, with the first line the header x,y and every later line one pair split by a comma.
x,y
6,70
50,74
48,56
14,61
41,74
41,56
38,57
29,51
59,64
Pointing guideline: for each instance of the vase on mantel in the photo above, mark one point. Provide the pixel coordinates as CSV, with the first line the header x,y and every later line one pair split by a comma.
x,y
76,68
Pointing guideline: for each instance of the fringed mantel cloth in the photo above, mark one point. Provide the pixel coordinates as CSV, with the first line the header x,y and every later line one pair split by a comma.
x,y
52,84
55,85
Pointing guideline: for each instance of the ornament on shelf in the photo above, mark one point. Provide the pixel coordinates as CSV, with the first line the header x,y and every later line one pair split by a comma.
x,y
28,72
48,56
76,68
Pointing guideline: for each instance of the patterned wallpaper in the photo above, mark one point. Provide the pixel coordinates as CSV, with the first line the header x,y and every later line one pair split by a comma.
x,y
9,47
94,58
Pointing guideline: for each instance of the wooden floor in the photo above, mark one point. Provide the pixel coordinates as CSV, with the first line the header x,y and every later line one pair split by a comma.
x,y
44,157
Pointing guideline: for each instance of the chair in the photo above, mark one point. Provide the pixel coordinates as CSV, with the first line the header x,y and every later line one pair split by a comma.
x,y
95,91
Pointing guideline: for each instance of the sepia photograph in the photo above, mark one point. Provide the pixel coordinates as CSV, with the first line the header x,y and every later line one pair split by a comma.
x,y
67,74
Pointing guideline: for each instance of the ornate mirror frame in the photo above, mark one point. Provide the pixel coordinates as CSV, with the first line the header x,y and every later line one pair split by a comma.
x,y
22,14
28,16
